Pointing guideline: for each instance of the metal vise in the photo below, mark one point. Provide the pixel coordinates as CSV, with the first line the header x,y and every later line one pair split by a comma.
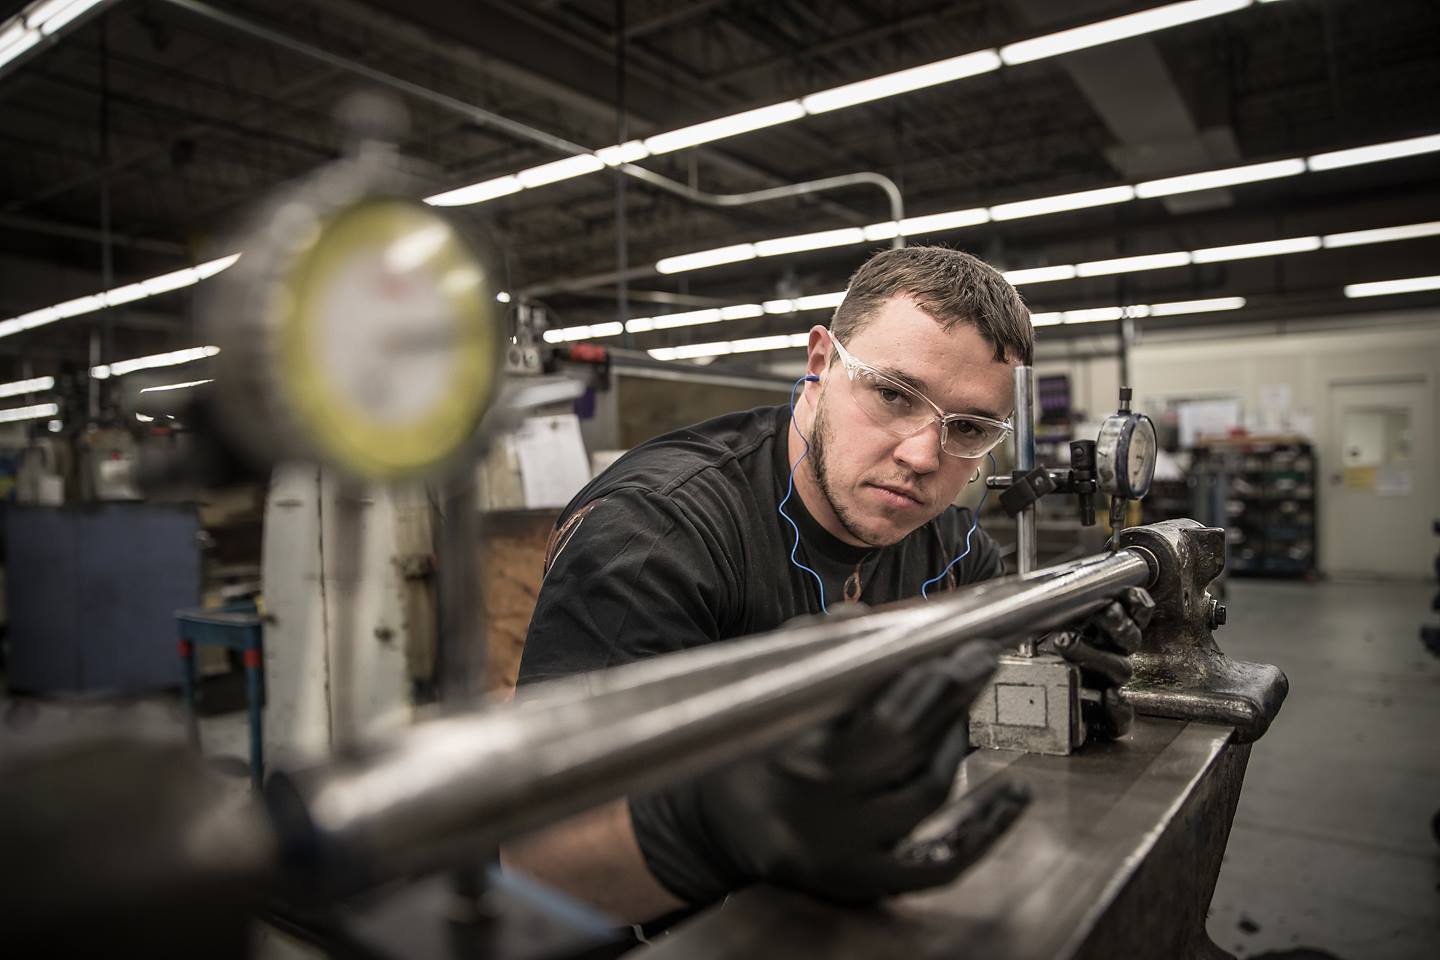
x,y
1033,703
1180,671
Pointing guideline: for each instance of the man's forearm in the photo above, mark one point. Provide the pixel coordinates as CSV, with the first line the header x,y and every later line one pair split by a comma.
x,y
594,857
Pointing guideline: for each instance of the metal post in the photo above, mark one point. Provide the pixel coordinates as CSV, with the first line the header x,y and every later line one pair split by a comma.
x,y
1026,549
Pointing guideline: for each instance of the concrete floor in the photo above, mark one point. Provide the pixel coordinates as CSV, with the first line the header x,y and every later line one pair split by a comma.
x,y
1331,846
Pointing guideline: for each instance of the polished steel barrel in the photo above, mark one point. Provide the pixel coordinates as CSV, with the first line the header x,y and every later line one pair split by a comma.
x,y
451,785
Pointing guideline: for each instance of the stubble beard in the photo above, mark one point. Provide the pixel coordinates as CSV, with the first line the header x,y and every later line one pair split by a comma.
x,y
819,441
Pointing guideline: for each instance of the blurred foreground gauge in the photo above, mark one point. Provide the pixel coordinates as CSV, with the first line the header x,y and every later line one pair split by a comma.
x,y
359,328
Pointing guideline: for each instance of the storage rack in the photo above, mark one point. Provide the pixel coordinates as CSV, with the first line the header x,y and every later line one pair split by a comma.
x,y
1268,485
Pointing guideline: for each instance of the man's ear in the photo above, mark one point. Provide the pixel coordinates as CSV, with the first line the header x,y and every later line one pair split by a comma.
x,y
818,356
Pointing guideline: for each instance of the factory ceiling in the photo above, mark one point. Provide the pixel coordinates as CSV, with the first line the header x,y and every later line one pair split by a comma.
x,y
135,142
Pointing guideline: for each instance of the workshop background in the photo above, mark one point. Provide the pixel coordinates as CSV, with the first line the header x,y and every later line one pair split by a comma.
x,y
1238,216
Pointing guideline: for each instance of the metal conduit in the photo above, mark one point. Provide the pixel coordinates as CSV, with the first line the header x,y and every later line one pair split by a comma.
x,y
560,144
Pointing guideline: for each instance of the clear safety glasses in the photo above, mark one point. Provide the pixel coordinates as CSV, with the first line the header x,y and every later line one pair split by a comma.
x,y
903,411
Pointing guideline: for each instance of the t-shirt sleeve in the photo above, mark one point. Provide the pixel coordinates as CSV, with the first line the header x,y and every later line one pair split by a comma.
x,y
634,578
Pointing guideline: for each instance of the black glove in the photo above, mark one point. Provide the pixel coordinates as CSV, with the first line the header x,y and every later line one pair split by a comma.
x,y
1101,648
828,813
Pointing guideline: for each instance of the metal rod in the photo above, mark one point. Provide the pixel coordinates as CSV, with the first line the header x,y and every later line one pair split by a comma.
x,y
622,134
1026,548
443,788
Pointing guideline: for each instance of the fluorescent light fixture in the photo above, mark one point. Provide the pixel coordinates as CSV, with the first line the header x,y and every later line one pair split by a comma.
x,y
1083,315
557,170
170,281
627,152
37,318
810,241
1211,179
1062,202
125,294
176,386
477,192
1266,248
1211,305
689,318
1149,261
815,301
1357,238
211,267
608,329
50,17
117,296
33,385
503,297
35,412
1104,314
1094,315
121,367
706,258
1117,28
776,342
1375,152
1063,271
902,81
16,41
55,426
820,301
144,419
1382,288
725,127
73,308
742,311
887,230
936,222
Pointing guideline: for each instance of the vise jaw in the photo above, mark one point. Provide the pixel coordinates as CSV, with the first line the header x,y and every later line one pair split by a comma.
x,y
1180,671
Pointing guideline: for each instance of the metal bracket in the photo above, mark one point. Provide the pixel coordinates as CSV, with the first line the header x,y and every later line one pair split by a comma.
x,y
1032,704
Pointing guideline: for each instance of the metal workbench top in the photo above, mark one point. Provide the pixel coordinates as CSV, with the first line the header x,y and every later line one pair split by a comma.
x,y
1116,857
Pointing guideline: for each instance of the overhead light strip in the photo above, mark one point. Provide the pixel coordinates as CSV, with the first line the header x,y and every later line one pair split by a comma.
x,y
847,95
784,341
37,411
1381,288
33,385
911,226
1032,275
130,292
37,22
174,358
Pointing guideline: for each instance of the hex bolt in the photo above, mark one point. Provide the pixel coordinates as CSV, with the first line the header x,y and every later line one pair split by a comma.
x,y
1217,614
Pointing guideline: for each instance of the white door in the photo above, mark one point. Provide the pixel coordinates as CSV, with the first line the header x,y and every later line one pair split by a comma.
x,y
1381,491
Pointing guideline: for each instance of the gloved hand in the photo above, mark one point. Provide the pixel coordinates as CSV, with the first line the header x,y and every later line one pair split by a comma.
x,y
1101,648
829,812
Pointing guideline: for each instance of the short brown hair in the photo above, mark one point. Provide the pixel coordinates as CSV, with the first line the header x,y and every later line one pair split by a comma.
x,y
951,286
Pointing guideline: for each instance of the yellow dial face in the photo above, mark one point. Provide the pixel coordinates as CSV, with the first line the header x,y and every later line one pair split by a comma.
x,y
388,343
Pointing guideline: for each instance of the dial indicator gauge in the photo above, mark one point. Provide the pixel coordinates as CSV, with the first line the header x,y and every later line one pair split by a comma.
x,y
1125,455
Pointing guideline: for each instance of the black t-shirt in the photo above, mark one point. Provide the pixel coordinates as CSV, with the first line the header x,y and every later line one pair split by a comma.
x,y
679,543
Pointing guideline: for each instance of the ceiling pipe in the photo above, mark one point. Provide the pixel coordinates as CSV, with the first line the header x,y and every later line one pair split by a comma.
x,y
559,144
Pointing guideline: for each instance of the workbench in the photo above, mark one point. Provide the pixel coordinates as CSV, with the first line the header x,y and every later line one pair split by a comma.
x,y
1117,856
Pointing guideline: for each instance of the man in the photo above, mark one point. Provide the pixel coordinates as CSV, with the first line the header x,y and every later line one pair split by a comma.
x,y
740,524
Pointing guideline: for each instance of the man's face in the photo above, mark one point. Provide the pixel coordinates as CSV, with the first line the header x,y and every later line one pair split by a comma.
x,y
865,485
